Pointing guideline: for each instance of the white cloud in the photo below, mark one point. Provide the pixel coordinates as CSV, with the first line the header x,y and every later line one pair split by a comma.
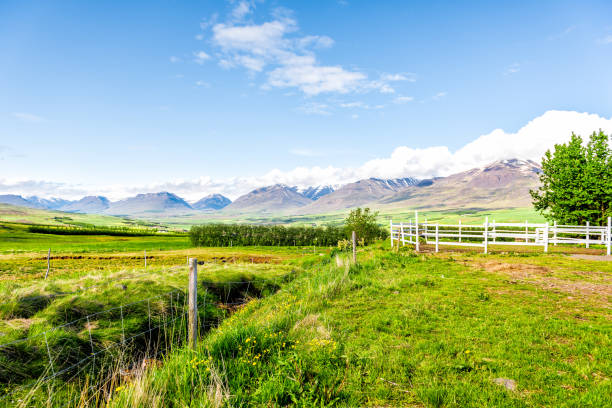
x,y
528,142
605,40
200,57
305,152
174,59
287,59
315,108
28,117
406,76
513,69
439,95
242,9
403,99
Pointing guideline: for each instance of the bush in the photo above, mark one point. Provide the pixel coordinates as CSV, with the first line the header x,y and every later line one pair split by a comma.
x,y
220,235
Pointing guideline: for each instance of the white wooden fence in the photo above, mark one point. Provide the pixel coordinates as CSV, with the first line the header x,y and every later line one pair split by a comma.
x,y
507,233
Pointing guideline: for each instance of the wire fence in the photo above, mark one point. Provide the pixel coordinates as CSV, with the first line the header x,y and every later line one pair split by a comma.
x,y
110,344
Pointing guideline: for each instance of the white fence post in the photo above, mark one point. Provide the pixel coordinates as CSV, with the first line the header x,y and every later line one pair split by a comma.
x,y
437,227
609,245
587,234
546,237
459,230
416,230
391,231
486,235
555,233
401,234
494,232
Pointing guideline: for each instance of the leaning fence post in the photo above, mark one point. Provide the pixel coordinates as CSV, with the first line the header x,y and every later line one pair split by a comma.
x,y
354,238
416,230
48,263
437,228
609,245
193,303
587,234
546,237
486,235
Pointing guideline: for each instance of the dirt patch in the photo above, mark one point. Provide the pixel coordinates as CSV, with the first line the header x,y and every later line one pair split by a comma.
x,y
541,276
593,257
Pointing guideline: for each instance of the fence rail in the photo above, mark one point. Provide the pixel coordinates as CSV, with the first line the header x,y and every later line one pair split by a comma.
x,y
506,233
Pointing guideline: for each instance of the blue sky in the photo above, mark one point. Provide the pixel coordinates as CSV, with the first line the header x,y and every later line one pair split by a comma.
x,y
214,96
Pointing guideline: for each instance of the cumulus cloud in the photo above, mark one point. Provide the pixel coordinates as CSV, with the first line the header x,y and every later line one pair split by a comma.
x,y
287,59
528,142
200,57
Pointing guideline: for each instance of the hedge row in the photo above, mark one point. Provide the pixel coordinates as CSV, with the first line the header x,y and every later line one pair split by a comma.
x,y
219,235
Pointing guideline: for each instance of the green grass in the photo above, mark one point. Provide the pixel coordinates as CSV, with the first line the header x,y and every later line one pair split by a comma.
x,y
400,330
30,307
15,238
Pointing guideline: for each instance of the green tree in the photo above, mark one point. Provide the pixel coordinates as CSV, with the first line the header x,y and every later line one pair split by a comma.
x,y
363,222
576,181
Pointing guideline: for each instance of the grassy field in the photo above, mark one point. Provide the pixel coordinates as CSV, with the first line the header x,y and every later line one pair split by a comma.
x,y
405,329
398,329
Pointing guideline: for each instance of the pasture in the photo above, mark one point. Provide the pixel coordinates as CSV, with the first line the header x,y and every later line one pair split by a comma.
x,y
457,328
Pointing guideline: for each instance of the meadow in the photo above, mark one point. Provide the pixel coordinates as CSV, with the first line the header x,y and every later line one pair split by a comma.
x,y
452,329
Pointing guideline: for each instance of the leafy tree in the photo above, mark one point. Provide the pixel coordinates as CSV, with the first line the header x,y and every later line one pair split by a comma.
x,y
577,181
363,222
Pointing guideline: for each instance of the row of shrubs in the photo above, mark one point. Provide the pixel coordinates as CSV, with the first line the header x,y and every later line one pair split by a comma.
x,y
219,235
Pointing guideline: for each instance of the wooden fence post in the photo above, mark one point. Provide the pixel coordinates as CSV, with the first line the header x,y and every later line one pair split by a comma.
x,y
486,235
546,237
587,234
48,263
193,303
437,229
609,244
416,230
355,246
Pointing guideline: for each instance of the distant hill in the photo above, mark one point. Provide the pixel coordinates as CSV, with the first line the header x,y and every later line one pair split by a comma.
x,y
212,202
88,205
314,193
270,198
504,183
359,193
14,199
49,203
148,204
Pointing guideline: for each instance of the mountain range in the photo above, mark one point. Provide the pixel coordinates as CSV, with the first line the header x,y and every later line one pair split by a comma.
x,y
501,184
